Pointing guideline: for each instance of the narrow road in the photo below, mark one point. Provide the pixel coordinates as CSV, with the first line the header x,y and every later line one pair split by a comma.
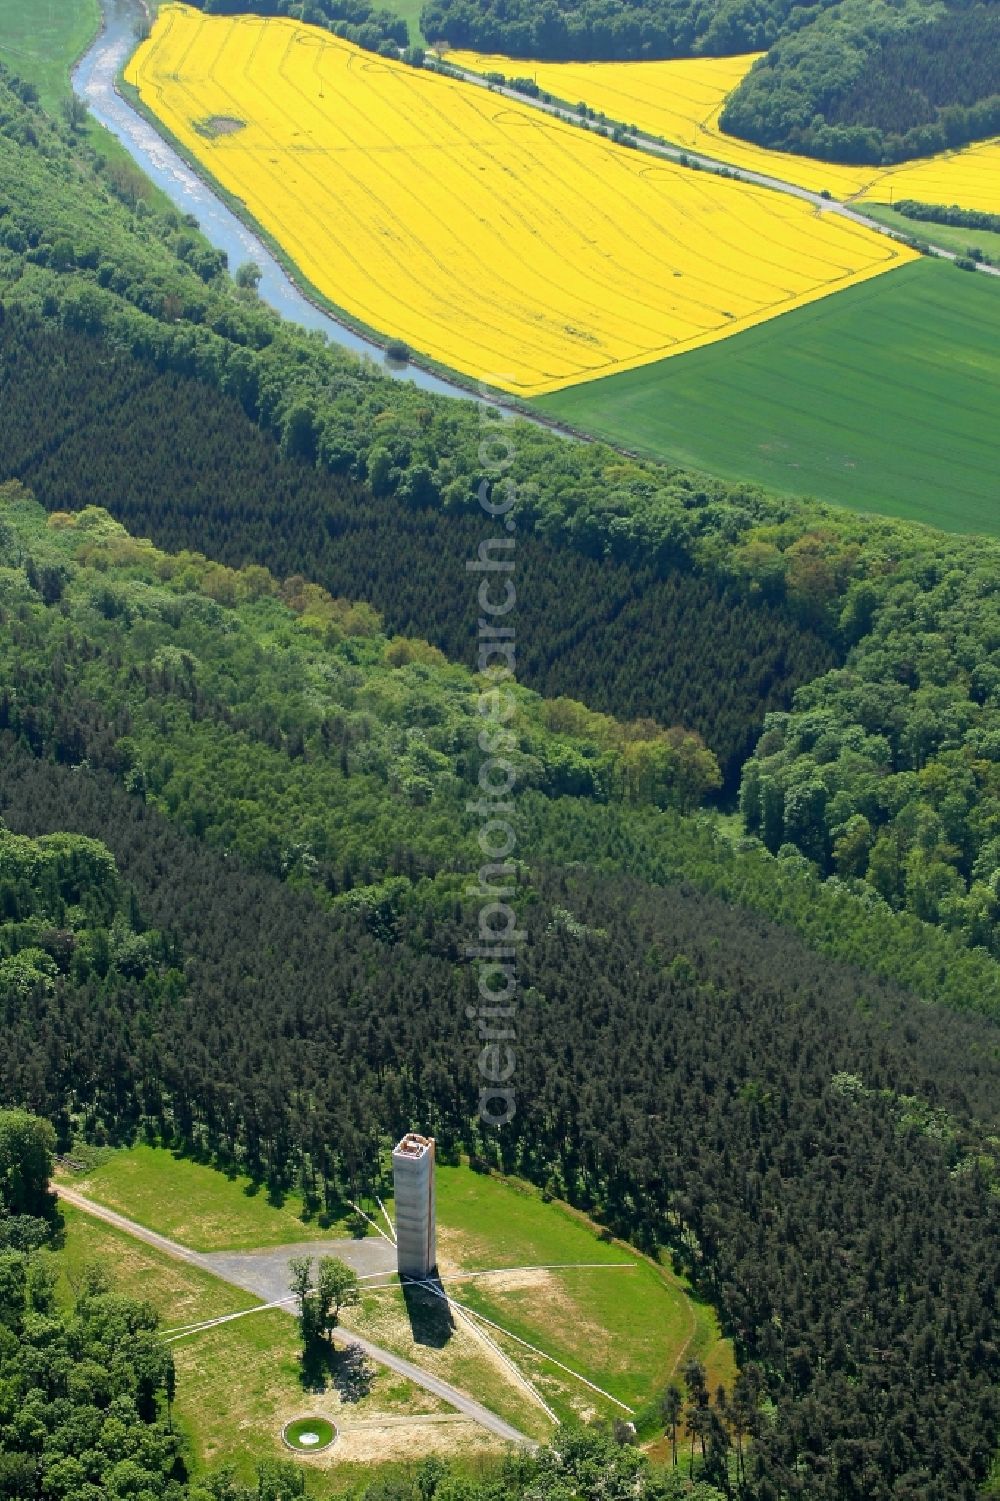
x,y
239,1276
653,147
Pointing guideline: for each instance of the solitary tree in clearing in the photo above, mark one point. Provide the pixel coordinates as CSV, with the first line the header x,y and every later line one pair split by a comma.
x,y
322,1297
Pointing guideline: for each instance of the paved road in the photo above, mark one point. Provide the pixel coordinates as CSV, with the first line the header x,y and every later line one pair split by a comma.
x,y
266,1274
654,147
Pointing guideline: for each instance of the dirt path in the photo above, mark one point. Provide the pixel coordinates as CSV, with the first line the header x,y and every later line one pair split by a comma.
x,y
266,1272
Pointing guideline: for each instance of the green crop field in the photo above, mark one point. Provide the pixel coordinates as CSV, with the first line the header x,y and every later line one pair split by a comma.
x,y
883,398
41,39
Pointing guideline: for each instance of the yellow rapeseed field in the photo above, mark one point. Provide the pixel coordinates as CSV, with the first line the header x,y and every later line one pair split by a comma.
x,y
970,177
493,239
682,100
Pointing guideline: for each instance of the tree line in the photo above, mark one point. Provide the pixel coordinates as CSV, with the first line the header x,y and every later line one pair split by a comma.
x,y
940,213
592,30
369,26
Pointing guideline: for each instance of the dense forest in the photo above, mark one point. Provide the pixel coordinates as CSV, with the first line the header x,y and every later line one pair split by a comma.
x,y
887,769
232,700
730,1081
724,1052
234,765
870,81
606,29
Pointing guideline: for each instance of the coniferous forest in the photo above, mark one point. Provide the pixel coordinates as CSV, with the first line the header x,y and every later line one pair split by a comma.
x,y
757,746
184,466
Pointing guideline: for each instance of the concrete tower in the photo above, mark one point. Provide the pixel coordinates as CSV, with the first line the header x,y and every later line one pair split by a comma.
x,y
413,1180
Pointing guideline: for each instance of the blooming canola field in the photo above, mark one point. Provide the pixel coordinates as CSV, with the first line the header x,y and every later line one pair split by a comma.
x,y
491,238
681,101
970,177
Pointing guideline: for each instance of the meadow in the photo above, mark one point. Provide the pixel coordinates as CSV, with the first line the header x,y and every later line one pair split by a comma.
x,y
197,1205
681,101
239,1382
488,237
620,1319
882,399
948,236
41,39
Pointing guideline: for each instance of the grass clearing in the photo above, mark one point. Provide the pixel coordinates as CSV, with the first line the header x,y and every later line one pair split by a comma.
x,y
42,39
410,12
883,399
238,1384
419,1326
484,235
624,1327
608,1313
198,1205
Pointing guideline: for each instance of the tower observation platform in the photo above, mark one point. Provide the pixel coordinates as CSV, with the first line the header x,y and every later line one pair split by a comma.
x,y
413,1183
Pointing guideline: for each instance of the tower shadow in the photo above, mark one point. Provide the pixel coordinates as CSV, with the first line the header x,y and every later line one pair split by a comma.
x,y
429,1313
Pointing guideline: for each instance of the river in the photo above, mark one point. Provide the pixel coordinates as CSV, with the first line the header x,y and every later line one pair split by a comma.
x,y
94,80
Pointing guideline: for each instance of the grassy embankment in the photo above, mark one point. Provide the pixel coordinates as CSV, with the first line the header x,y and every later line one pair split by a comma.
x,y
41,40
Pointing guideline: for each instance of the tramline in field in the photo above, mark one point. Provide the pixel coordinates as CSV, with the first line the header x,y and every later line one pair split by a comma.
x,y
681,101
